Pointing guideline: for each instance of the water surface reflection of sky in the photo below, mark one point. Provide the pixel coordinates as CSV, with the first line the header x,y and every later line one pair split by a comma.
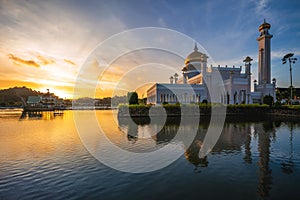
x,y
42,157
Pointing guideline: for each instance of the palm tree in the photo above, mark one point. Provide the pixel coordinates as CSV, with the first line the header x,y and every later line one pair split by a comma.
x,y
289,57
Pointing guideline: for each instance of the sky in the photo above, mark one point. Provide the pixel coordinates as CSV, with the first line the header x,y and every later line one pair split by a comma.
x,y
46,44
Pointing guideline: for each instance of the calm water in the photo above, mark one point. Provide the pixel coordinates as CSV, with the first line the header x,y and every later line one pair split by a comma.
x,y
42,157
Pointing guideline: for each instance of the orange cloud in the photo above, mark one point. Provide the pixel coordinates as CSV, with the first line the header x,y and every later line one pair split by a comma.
x,y
69,62
4,83
45,61
18,60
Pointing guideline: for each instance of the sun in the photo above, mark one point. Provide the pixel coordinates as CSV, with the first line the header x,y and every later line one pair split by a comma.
x,y
65,94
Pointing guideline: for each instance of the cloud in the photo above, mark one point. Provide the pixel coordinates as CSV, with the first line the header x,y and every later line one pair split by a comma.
x,y
162,22
45,61
40,60
54,27
278,54
261,5
70,62
18,60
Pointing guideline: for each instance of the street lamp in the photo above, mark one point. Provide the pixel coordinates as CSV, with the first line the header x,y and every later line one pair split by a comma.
x,y
289,57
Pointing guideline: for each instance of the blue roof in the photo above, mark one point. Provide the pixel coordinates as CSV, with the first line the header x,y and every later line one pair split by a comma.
x,y
34,99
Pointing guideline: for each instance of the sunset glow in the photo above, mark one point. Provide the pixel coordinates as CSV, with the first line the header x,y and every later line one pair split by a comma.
x,y
44,44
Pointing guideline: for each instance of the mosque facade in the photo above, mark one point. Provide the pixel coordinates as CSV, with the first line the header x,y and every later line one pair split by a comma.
x,y
198,81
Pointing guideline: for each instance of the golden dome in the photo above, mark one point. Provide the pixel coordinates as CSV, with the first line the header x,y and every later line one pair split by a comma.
x,y
265,25
195,56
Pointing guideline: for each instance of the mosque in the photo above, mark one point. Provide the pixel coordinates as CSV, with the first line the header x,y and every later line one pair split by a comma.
x,y
198,80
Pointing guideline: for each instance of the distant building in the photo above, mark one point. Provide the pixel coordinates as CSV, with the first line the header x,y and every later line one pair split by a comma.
x,y
34,101
196,75
47,100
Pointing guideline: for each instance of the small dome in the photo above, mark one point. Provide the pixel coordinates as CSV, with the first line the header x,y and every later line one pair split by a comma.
x,y
264,25
247,59
195,56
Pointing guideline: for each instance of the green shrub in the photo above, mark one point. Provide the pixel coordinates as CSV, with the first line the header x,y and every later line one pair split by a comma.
x,y
132,98
268,99
277,104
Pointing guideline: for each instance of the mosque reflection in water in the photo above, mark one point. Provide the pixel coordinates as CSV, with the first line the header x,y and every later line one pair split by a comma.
x,y
235,137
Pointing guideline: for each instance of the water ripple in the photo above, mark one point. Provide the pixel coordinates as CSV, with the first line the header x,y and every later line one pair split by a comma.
x,y
43,159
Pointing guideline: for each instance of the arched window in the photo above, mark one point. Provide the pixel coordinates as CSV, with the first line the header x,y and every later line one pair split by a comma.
x,y
235,97
228,98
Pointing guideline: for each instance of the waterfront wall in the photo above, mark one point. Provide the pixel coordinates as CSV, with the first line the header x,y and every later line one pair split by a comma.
x,y
205,110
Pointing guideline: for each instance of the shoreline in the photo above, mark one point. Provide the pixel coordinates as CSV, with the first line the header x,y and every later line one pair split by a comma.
x,y
231,111
246,112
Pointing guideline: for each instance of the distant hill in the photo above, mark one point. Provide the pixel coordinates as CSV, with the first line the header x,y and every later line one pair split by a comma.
x,y
15,96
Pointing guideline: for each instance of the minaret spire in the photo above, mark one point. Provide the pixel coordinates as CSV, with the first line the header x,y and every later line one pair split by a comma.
x,y
264,85
195,48
264,55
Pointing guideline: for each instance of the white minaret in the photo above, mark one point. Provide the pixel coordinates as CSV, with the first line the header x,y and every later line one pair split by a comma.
x,y
171,79
264,54
175,78
264,86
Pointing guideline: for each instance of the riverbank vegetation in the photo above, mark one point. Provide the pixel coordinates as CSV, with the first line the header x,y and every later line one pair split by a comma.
x,y
138,110
209,105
